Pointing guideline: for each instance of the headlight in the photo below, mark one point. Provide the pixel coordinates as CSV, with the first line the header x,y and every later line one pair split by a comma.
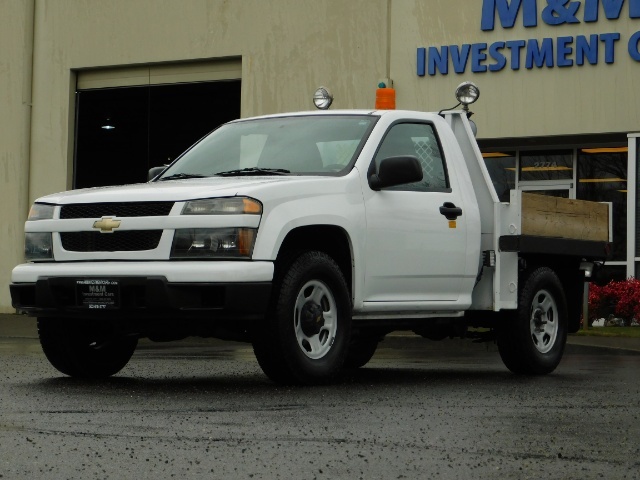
x,y
213,243
41,211
38,246
223,206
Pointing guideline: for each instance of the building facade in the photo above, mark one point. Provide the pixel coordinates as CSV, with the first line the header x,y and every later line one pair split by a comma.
x,y
95,93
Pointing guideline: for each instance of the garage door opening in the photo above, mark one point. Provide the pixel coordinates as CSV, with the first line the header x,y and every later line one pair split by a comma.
x,y
122,132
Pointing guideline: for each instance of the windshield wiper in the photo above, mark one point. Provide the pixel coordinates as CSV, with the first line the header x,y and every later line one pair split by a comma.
x,y
254,171
180,176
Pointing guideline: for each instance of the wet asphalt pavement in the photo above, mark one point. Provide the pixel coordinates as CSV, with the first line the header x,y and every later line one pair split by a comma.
x,y
419,409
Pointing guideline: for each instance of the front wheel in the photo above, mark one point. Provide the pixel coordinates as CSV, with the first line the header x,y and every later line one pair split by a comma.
x,y
305,336
532,339
84,349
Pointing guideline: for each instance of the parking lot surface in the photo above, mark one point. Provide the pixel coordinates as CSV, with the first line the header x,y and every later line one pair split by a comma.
x,y
420,409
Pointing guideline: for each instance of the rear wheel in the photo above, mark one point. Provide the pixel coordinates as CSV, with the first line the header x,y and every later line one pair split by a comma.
x,y
532,339
84,349
305,336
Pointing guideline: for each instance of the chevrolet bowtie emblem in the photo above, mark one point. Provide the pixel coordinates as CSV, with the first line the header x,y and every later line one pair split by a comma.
x,y
106,224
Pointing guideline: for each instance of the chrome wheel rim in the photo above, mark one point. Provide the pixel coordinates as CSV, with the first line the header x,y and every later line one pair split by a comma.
x,y
315,319
544,321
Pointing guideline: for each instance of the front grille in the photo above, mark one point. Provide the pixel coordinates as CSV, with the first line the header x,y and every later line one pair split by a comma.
x,y
130,209
126,241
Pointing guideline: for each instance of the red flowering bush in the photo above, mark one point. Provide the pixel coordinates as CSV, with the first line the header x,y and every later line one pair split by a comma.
x,y
621,298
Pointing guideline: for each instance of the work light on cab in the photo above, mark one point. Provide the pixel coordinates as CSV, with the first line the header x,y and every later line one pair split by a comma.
x,y
322,98
467,93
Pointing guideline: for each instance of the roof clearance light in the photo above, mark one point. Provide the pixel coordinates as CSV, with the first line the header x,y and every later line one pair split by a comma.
x,y
385,98
322,99
467,93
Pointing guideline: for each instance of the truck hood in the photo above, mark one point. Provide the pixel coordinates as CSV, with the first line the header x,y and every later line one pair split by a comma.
x,y
180,190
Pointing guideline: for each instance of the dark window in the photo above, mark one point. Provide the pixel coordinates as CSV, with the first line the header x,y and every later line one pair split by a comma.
x,y
546,165
602,177
550,193
502,170
418,140
122,132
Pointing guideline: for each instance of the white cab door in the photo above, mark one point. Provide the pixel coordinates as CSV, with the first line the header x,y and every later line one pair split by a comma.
x,y
414,253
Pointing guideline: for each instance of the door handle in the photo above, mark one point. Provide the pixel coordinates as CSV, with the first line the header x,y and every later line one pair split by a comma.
x,y
450,211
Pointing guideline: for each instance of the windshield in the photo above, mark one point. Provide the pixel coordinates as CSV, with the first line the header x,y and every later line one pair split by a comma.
x,y
314,144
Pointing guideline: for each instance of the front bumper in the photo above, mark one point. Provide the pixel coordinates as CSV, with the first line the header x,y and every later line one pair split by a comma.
x,y
211,290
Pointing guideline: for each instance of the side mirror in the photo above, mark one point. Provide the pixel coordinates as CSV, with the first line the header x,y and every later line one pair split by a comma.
x,y
155,171
395,171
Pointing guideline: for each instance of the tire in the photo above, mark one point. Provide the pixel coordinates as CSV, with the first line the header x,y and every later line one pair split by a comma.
x,y
305,336
531,341
360,352
83,349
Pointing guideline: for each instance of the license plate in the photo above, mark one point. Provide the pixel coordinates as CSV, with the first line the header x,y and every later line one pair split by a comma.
x,y
99,294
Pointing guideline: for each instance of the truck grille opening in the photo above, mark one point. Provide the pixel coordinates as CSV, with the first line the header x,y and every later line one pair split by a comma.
x,y
129,209
127,241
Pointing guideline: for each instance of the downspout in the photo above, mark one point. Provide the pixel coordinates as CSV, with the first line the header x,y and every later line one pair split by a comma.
x,y
27,97
388,59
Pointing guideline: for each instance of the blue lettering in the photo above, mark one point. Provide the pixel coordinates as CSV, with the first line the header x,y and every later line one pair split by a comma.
x,y
609,40
478,56
508,12
501,61
438,60
539,55
421,61
559,12
587,49
459,57
516,47
563,52
634,8
612,9
564,49
633,46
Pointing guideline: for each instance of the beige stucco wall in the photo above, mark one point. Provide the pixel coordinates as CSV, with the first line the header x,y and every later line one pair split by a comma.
x,y
15,92
288,48
539,102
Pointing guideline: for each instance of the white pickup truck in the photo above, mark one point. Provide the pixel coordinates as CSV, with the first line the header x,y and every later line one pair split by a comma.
x,y
311,235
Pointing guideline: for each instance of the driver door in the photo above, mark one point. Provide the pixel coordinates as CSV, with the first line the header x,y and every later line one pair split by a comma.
x,y
413,252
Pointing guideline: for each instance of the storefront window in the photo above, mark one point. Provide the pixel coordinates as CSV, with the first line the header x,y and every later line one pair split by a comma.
x,y
502,169
602,177
613,273
551,193
546,165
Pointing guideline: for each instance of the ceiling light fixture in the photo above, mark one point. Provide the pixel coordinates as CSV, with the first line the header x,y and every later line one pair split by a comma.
x,y
108,125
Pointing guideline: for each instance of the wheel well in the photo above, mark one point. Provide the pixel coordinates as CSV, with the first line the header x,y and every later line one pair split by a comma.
x,y
329,239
